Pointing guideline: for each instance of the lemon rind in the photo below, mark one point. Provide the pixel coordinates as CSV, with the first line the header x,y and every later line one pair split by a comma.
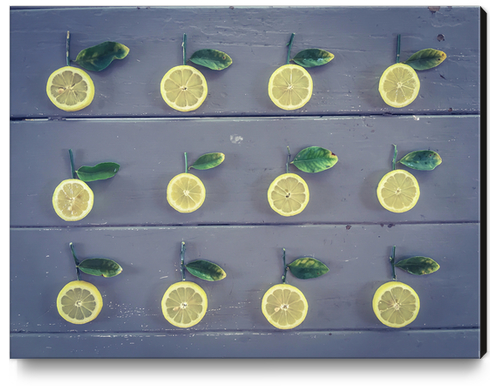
x,y
290,107
196,288
90,92
269,319
60,213
88,286
388,101
387,287
174,105
382,183
271,188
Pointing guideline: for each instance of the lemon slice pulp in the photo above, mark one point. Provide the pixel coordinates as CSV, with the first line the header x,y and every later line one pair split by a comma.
x,y
79,302
288,194
186,193
184,304
396,304
290,87
184,88
284,306
399,85
73,200
398,191
70,88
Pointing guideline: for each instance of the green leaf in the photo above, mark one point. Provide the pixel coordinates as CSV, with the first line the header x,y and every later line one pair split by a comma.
x,y
98,57
426,59
418,265
422,160
313,57
208,161
100,171
100,267
307,268
213,59
314,159
205,270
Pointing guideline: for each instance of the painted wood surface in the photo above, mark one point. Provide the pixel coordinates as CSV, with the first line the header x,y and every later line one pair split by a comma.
x,y
363,41
344,226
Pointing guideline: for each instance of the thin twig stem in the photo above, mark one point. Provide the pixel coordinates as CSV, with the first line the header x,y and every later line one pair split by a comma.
x,y
67,48
289,47
182,260
77,263
184,49
185,163
392,261
72,164
398,41
284,265
395,154
289,160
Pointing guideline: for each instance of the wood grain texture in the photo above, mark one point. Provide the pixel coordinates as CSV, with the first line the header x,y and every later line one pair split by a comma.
x,y
343,225
150,153
363,41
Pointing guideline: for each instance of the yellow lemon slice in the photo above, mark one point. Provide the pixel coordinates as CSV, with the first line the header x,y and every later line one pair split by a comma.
x,y
73,200
70,89
399,85
79,302
290,87
288,194
184,88
186,193
184,304
398,191
396,304
284,306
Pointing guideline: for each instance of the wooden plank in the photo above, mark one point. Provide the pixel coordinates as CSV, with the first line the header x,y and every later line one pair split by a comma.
x,y
41,264
363,41
151,153
336,344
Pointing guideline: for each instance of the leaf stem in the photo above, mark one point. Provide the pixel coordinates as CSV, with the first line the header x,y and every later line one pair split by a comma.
x,y
184,49
72,164
77,263
185,163
395,154
398,41
284,265
392,261
289,47
182,262
289,160
68,48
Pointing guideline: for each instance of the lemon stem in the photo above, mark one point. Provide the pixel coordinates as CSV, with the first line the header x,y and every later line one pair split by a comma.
x,y
392,261
67,48
398,40
77,263
184,49
185,162
395,154
284,265
182,262
289,47
72,164
289,160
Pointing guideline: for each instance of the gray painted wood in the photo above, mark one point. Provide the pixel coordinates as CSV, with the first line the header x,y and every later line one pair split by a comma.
x,y
151,153
343,225
363,41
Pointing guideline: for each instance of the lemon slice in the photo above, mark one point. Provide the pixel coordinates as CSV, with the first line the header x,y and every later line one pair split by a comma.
x,y
184,88
288,194
396,304
290,87
399,85
284,306
398,191
184,304
70,89
79,302
73,200
185,193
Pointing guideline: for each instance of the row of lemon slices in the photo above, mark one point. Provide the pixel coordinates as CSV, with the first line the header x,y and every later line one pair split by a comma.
x,y
184,88
185,303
